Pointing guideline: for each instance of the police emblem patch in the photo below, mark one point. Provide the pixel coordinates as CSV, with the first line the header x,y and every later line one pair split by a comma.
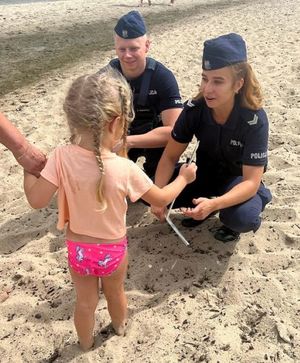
x,y
253,121
190,103
207,64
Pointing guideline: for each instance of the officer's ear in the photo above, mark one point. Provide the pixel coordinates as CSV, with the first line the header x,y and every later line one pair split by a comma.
x,y
147,44
238,85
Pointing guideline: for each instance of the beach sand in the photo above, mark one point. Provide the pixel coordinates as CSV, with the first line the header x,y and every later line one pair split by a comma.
x,y
210,302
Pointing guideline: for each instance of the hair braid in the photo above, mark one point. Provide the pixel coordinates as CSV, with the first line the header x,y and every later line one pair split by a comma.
x,y
97,131
124,116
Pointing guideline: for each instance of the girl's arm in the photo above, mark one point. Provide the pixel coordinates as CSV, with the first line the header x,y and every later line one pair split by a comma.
x,y
38,191
168,161
165,170
161,197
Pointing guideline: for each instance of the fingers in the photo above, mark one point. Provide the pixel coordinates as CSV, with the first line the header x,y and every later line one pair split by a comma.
x,y
33,162
192,166
35,173
159,213
197,201
188,212
196,213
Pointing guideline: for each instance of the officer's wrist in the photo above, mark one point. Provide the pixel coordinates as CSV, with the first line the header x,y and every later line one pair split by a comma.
x,y
217,203
21,150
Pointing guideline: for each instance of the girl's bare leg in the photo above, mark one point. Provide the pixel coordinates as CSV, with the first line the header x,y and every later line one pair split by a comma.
x,y
113,289
87,297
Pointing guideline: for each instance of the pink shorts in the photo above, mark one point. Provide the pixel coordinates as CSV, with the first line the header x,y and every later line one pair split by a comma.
x,y
96,259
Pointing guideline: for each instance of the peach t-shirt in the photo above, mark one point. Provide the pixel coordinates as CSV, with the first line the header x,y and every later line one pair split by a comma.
x,y
75,172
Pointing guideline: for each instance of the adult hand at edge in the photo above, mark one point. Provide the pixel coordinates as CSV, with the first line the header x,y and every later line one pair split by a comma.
x,y
32,160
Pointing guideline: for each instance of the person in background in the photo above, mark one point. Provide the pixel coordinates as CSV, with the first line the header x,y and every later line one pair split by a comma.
x,y
157,102
149,2
27,155
227,118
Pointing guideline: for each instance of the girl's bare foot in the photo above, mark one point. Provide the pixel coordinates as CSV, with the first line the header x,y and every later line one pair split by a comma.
x,y
86,345
120,329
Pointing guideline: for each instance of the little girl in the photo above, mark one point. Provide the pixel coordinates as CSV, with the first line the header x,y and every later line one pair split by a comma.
x,y
93,183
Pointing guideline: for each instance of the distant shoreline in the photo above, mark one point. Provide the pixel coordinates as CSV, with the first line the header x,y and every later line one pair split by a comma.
x,y
19,2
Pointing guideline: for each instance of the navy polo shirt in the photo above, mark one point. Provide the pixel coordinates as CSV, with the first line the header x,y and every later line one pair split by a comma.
x,y
163,91
224,149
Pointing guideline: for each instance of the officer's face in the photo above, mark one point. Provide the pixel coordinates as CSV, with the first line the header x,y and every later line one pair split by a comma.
x,y
132,55
219,88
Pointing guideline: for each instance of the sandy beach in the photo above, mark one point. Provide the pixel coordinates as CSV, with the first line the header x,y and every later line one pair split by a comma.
x,y
210,302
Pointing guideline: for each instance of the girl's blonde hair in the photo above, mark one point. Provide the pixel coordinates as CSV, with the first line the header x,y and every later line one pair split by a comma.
x,y
250,95
93,101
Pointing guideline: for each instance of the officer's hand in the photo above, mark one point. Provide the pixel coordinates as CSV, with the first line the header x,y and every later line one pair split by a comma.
x,y
204,207
188,171
159,212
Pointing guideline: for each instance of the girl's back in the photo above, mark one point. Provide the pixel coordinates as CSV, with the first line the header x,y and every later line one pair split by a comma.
x,y
74,171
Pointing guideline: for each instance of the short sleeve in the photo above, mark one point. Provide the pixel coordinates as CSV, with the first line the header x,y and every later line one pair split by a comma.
x,y
138,182
50,170
168,90
256,145
183,130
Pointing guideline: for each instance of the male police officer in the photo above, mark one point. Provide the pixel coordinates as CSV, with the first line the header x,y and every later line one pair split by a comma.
x,y
157,102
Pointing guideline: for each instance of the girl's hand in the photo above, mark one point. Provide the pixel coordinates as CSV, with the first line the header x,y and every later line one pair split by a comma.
x,y
204,207
188,171
159,212
32,160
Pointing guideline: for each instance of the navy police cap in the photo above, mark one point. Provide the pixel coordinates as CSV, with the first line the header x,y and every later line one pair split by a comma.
x,y
131,25
223,51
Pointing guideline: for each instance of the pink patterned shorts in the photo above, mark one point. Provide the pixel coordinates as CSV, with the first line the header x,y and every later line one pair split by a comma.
x,y
96,259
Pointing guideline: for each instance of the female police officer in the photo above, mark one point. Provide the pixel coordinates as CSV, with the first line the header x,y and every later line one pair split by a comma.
x,y
227,118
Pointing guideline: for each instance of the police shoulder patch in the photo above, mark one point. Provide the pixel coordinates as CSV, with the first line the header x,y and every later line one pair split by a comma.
x,y
253,121
190,103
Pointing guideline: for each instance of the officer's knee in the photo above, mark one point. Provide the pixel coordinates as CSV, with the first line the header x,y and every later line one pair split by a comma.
x,y
241,219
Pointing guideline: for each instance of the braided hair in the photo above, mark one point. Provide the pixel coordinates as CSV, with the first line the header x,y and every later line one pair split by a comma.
x,y
93,101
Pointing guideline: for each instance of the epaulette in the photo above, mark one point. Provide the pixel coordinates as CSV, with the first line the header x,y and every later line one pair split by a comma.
x,y
250,117
193,103
115,63
190,103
